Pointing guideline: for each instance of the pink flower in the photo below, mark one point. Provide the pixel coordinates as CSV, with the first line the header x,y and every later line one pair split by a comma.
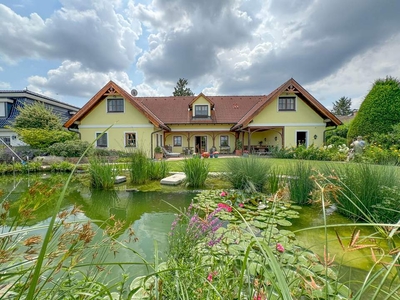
x,y
223,194
225,206
280,248
211,275
241,204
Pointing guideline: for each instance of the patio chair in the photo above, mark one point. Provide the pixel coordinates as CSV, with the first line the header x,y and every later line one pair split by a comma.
x,y
169,154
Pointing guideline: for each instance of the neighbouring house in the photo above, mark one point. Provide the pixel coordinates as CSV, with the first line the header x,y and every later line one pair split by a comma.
x,y
11,100
289,116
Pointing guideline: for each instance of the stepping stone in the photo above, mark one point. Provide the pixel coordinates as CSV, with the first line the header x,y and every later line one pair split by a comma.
x,y
173,179
119,179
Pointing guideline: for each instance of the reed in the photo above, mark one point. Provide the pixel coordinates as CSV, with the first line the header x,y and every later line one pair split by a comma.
x,y
102,173
139,165
300,182
249,174
196,170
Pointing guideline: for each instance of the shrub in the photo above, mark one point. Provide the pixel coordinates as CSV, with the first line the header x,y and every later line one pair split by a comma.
x,y
379,111
196,171
249,174
43,138
70,148
157,169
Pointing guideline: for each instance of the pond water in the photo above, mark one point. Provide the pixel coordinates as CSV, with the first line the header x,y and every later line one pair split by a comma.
x,y
150,215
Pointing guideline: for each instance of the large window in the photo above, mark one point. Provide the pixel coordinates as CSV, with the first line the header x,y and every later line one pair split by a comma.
x,y
102,142
287,103
201,111
178,141
224,141
115,105
130,139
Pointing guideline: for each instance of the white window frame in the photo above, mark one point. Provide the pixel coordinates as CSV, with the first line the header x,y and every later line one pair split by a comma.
x,y
115,111
136,139
173,140
97,142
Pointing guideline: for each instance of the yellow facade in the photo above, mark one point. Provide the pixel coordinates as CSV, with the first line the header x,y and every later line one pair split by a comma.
x,y
292,125
122,124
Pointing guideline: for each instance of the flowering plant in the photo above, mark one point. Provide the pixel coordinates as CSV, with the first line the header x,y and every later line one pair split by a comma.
x,y
205,154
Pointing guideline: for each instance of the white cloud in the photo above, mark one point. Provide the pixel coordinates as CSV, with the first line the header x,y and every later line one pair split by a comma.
x,y
4,85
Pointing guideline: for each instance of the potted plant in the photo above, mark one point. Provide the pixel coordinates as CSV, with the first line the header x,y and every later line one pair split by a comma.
x,y
158,153
239,147
216,153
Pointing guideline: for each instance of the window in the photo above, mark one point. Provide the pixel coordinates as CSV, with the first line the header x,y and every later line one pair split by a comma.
x,y
6,139
115,105
201,111
130,139
102,141
223,141
287,103
177,141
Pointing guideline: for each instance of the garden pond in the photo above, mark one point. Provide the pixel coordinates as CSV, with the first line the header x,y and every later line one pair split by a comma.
x,y
150,215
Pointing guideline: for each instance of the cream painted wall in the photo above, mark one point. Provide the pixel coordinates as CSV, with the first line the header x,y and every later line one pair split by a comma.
x,y
303,114
201,101
131,120
303,119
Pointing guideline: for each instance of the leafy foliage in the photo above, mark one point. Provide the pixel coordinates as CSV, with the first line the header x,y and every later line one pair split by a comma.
x,y
196,171
37,115
340,131
342,107
181,89
70,148
42,138
379,111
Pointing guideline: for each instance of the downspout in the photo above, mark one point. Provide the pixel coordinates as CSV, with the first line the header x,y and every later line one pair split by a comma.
x,y
75,130
323,136
151,143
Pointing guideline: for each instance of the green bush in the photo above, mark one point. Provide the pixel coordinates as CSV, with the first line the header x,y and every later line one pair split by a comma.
x,y
139,165
379,111
70,148
43,138
336,140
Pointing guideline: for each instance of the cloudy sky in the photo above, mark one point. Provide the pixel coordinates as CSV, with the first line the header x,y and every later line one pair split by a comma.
x,y
68,49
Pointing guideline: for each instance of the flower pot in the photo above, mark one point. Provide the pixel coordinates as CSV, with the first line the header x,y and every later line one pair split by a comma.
x,y
158,156
238,152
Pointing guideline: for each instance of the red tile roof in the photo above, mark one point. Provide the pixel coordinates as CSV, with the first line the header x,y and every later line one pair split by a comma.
x,y
238,111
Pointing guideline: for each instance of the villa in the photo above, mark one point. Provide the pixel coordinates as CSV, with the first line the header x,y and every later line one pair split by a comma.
x,y
288,116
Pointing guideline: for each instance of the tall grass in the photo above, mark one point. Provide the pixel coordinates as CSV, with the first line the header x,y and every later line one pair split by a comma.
x,y
300,182
196,170
139,167
102,173
362,187
249,174
157,169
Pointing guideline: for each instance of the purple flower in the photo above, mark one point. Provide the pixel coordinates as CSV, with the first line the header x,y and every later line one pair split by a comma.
x,y
280,248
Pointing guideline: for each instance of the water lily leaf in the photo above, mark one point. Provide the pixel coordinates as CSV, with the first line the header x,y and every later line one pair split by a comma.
x,y
283,222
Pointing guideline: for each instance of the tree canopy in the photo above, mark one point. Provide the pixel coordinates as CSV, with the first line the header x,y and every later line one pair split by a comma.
x,y
379,110
342,107
181,89
37,115
39,126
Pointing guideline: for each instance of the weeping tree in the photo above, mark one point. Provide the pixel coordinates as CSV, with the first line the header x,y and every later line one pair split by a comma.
x,y
38,126
379,110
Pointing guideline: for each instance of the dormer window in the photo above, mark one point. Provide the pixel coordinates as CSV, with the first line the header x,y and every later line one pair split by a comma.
x,y
201,111
115,105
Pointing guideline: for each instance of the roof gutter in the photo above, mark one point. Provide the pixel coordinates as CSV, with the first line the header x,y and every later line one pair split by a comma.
x,y
74,130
